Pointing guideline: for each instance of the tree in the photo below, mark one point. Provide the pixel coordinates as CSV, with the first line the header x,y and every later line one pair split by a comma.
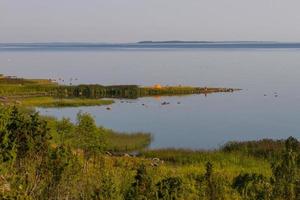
x,y
64,128
23,135
88,136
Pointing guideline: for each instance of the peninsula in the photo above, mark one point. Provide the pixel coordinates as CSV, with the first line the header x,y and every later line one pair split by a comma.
x,y
48,93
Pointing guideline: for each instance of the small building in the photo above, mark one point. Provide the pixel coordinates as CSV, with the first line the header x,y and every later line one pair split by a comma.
x,y
157,86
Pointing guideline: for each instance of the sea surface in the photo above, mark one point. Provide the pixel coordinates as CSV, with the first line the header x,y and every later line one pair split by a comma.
x,y
268,106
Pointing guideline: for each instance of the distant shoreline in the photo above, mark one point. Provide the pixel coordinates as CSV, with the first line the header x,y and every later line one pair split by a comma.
x,y
206,42
150,45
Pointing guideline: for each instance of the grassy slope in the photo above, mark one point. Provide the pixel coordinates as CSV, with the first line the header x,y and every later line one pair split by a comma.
x,y
178,162
230,163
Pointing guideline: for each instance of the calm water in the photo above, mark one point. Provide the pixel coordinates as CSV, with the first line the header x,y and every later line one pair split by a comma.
x,y
198,121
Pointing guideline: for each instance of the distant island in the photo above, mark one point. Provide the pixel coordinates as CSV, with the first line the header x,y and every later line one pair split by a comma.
x,y
169,44
204,42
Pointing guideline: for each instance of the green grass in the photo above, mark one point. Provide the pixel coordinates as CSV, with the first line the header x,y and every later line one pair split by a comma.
x,y
233,163
27,90
22,81
47,102
127,141
265,148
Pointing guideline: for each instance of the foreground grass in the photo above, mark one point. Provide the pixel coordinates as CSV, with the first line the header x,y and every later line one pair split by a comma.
x,y
48,102
229,163
122,170
63,160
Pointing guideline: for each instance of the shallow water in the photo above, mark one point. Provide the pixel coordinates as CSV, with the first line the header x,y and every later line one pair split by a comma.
x,y
198,121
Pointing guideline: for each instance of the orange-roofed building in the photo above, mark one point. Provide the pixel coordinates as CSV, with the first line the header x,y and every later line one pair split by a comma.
x,y
157,86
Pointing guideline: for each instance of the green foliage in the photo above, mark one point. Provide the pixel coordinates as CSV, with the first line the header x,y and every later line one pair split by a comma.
x,y
88,137
50,102
59,162
22,134
64,128
266,148
27,87
253,186
126,142
169,188
212,186
107,188
71,165
64,132
222,161
286,172
142,187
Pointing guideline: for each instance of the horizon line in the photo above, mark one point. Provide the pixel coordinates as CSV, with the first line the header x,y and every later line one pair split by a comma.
x,y
153,41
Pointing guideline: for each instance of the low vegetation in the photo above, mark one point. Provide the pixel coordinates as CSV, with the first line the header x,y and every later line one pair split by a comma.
x,y
18,87
64,132
266,148
47,102
127,142
45,158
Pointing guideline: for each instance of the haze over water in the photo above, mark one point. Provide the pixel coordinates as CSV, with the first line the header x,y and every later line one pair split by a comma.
x,y
267,107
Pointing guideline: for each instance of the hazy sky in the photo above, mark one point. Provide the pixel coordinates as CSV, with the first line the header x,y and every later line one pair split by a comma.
x,y
135,20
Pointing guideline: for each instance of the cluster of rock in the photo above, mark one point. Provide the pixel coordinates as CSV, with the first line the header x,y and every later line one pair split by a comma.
x,y
154,162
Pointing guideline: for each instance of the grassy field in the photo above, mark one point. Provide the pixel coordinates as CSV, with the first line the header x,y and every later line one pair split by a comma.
x,y
235,162
47,102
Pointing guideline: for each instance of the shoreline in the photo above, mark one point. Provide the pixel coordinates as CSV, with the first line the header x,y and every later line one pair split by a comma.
x,y
48,93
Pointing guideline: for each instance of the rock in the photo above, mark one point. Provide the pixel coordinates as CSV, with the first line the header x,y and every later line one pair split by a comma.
x,y
126,155
165,103
154,164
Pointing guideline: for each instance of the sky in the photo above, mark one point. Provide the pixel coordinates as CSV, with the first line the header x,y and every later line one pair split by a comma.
x,y
136,20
